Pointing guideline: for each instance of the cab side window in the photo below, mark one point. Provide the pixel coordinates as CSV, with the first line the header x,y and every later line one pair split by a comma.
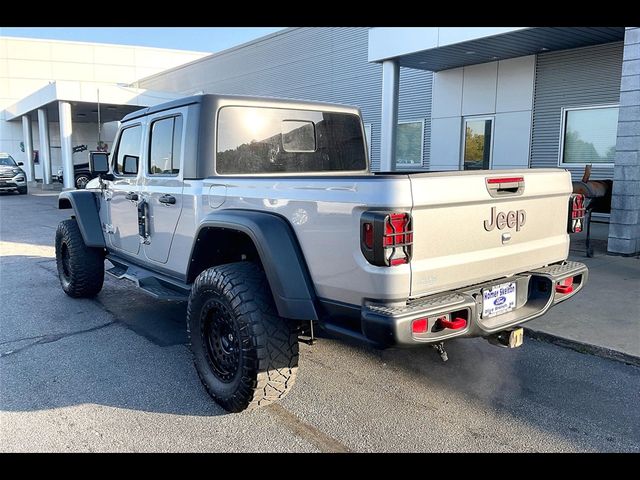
x,y
128,151
164,147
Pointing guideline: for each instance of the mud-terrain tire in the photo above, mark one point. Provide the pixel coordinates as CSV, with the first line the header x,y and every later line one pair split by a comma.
x,y
80,268
245,354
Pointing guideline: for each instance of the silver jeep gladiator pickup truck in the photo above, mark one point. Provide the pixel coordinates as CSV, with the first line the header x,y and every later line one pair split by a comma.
x,y
263,214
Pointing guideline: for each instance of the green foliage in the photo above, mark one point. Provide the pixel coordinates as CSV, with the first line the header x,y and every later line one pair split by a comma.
x,y
474,150
409,143
576,150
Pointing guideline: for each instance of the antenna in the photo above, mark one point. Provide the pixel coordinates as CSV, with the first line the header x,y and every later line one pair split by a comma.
x,y
99,122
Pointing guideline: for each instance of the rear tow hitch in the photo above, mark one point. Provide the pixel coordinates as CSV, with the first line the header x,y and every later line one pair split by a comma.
x,y
439,347
508,338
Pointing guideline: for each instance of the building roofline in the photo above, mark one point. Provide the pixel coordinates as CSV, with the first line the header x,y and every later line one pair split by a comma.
x,y
101,44
221,53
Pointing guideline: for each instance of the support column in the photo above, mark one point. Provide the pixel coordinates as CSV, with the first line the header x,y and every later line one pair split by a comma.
x,y
66,129
389,123
624,227
27,136
45,148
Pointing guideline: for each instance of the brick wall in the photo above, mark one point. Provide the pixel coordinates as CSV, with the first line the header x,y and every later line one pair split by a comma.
x,y
624,230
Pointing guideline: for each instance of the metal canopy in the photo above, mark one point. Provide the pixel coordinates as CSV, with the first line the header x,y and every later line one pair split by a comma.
x,y
115,101
85,112
509,45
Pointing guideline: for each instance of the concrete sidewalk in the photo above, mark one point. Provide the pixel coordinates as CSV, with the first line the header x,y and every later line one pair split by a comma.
x,y
604,319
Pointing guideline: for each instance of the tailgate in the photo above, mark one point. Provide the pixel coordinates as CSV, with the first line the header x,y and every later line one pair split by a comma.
x,y
471,227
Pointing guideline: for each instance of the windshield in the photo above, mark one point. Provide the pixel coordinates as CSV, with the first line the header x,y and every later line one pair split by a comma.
x,y
8,161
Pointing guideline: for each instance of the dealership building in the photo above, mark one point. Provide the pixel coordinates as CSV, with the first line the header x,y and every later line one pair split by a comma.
x,y
431,98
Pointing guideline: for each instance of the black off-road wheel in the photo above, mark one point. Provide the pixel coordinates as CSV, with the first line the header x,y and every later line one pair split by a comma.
x,y
22,190
245,354
80,268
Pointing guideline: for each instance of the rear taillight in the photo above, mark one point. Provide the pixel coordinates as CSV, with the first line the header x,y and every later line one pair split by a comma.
x,y
367,235
386,238
576,213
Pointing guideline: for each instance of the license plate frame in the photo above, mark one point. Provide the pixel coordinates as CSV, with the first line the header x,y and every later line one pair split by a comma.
x,y
506,291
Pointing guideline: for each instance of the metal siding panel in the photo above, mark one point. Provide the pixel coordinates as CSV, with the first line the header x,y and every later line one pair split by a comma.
x,y
327,64
415,103
571,78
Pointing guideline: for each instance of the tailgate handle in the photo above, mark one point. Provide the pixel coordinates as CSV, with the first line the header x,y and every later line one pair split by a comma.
x,y
505,186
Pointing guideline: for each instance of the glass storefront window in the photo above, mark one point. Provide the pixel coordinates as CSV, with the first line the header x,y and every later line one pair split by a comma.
x,y
589,135
409,144
477,143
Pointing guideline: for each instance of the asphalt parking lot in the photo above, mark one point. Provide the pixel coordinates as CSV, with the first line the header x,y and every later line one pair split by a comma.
x,y
113,374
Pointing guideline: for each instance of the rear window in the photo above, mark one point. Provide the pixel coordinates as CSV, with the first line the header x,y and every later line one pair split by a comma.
x,y
274,140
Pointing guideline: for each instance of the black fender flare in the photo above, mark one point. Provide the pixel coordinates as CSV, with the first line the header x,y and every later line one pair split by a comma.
x,y
281,257
85,208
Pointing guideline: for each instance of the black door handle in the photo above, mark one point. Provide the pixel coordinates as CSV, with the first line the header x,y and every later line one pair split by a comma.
x,y
132,196
167,199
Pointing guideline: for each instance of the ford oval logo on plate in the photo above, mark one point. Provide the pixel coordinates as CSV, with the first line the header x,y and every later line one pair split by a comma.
x,y
498,299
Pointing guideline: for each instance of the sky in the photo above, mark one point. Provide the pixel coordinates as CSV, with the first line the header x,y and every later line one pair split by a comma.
x,y
203,39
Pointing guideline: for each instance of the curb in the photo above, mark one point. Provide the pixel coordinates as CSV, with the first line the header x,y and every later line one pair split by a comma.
x,y
584,347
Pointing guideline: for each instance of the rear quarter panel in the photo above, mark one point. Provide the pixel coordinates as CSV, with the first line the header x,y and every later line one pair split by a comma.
x,y
324,213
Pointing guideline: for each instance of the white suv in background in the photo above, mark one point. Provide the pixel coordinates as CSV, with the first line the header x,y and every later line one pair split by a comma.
x,y
12,177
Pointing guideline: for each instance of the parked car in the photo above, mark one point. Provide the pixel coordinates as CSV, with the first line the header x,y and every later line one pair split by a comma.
x,y
81,173
264,215
12,177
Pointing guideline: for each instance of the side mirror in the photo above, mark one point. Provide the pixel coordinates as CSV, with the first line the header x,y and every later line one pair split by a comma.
x,y
130,166
98,163
20,164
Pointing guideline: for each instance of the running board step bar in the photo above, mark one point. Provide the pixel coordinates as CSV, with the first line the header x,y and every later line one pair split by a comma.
x,y
158,286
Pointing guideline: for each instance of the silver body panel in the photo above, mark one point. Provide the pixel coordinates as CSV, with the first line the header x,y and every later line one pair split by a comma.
x,y
451,247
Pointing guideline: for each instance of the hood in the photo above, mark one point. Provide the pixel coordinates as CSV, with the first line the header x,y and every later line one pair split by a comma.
x,y
4,169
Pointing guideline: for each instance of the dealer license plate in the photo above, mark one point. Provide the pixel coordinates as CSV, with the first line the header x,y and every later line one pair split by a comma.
x,y
498,299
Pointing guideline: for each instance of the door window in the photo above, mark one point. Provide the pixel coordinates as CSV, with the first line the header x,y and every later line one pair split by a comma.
x,y
164,147
128,146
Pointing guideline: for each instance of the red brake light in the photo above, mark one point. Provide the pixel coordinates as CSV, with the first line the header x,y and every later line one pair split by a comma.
x,y
506,180
398,261
386,238
397,238
576,213
396,230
